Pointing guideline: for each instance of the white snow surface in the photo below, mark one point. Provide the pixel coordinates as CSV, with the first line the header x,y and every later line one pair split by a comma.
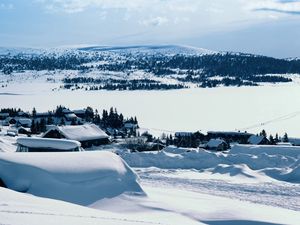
x,y
50,143
164,205
166,111
77,177
242,161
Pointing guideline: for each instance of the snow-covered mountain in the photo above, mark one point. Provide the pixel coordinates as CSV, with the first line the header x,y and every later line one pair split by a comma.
x,y
151,49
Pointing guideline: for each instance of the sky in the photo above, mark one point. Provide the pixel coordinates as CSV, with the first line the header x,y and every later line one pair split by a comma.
x,y
267,27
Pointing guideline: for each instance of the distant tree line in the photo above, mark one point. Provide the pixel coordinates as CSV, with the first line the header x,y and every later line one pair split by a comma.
x,y
235,69
114,84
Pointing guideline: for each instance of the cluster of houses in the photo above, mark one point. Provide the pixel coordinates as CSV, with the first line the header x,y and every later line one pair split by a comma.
x,y
221,140
22,122
72,129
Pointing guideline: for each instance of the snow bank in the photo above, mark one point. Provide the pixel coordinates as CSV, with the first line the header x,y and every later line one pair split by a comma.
x,y
81,177
276,162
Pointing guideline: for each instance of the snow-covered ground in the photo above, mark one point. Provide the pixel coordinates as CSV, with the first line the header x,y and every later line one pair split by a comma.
x,y
247,185
275,108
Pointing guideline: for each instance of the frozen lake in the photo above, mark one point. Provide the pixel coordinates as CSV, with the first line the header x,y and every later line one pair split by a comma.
x,y
275,108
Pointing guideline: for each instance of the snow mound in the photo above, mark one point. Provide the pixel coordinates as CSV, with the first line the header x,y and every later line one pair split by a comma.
x,y
81,177
253,162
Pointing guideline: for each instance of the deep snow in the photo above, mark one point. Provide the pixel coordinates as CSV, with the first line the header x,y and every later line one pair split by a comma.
x,y
77,177
164,205
248,161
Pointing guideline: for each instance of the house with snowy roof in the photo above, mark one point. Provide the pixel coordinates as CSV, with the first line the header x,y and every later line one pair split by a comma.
x,y
258,140
87,134
217,145
230,136
4,116
23,122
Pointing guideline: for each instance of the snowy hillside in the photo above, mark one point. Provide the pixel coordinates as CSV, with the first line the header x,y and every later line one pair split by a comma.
x,y
151,49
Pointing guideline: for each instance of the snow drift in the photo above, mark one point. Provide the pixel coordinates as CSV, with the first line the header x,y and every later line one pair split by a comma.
x,y
275,162
81,177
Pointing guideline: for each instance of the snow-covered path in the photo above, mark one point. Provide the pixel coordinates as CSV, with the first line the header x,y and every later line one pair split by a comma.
x,y
279,194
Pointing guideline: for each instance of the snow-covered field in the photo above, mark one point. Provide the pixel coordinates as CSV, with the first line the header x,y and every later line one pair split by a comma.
x,y
275,108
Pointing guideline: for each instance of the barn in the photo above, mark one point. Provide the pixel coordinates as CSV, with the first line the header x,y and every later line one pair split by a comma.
x,y
87,134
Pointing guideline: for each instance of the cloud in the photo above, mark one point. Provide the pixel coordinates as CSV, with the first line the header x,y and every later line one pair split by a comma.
x,y
154,21
279,11
289,7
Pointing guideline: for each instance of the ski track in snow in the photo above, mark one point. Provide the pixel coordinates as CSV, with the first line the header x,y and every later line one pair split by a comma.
x,y
277,194
76,216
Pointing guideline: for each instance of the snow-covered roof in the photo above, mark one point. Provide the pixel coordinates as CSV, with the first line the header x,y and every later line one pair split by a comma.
x,y
70,116
48,143
79,111
214,143
24,121
255,139
24,128
81,132
4,114
66,111
130,125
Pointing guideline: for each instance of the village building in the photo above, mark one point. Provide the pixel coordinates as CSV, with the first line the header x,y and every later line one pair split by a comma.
x,y
79,113
23,122
70,117
87,134
258,140
4,116
230,136
44,115
27,144
23,114
217,145
23,130
188,139
294,141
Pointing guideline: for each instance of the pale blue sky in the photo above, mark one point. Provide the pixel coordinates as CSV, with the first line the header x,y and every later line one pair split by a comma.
x,y
269,27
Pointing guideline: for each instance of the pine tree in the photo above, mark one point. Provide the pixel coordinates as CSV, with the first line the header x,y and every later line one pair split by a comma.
x,y
276,138
263,133
33,112
285,138
42,125
272,141
33,127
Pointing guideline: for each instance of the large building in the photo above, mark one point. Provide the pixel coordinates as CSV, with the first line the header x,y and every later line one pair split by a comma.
x,y
87,134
